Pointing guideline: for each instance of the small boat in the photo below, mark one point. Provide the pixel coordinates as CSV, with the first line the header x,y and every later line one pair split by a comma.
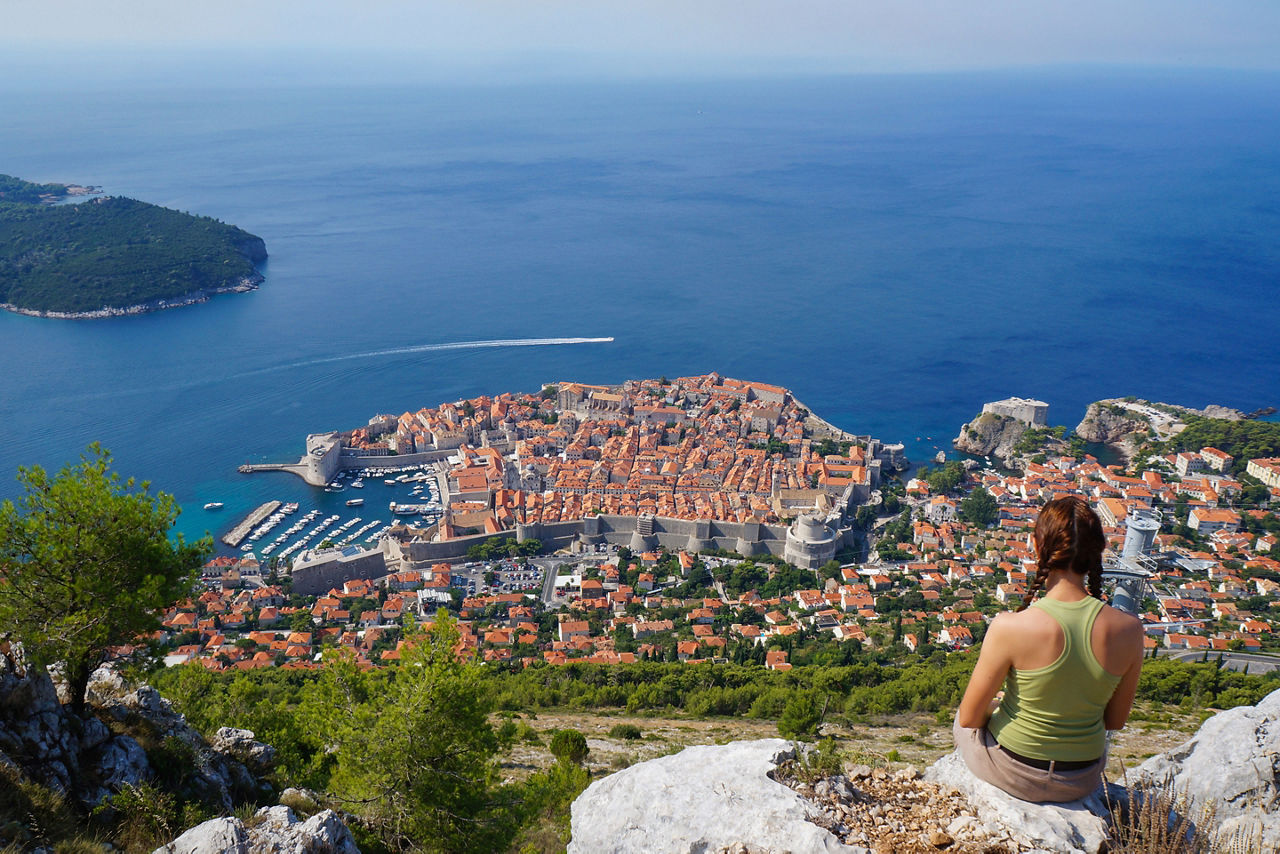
x,y
214,505
357,484
355,502
289,508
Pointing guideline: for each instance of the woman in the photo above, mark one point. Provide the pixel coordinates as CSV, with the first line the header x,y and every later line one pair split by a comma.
x,y
1069,667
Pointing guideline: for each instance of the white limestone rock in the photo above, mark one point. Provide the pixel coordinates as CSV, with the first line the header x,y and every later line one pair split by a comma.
x,y
94,733
1078,827
1232,765
105,686
275,830
278,831
703,799
121,762
216,836
240,744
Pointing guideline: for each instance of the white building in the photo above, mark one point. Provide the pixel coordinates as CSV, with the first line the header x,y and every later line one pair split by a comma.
x,y
1266,470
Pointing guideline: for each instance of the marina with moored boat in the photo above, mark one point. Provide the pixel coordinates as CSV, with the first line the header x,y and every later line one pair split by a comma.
x,y
268,533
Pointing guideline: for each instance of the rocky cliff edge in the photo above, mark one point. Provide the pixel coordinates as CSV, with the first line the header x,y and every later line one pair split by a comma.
x,y
742,798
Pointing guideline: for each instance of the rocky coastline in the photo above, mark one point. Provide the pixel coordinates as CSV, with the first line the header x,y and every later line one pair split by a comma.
x,y
240,286
1124,424
990,435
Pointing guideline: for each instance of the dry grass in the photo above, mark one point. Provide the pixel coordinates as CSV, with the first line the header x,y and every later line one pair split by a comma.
x,y
919,738
32,816
1154,820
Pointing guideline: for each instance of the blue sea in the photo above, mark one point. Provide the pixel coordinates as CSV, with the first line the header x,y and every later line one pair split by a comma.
x,y
895,249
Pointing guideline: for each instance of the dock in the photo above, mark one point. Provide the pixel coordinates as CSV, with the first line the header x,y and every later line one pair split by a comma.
x,y
237,534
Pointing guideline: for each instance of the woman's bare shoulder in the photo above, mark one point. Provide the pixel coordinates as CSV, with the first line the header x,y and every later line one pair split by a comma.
x,y
1027,623
1120,622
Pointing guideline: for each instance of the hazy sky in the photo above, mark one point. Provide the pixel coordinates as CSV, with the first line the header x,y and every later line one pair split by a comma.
x,y
642,35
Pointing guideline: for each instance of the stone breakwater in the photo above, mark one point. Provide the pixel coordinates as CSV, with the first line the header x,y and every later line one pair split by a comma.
x,y
243,285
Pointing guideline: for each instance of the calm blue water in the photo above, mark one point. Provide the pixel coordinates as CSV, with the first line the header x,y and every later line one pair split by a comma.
x,y
896,250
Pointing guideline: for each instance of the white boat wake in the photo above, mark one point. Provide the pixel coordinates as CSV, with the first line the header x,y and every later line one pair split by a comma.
x,y
372,354
456,345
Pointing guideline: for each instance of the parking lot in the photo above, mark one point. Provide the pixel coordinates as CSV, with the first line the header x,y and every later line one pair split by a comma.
x,y
483,578
537,577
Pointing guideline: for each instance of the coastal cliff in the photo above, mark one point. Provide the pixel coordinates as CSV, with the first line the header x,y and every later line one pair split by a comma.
x,y
1007,439
990,435
1125,424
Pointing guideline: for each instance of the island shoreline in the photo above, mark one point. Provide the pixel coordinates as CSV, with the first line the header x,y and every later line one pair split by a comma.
x,y
244,285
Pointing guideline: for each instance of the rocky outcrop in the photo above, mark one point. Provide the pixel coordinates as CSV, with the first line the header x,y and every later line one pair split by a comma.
x,y
216,773
273,830
89,759
1112,422
33,732
218,835
990,435
703,799
726,799
1124,423
1078,827
729,798
1231,766
239,744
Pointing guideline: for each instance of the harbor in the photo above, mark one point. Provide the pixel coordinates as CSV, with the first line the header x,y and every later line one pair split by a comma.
x,y
326,516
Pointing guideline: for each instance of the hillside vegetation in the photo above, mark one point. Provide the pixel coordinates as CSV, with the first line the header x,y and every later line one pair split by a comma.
x,y
112,252
1244,440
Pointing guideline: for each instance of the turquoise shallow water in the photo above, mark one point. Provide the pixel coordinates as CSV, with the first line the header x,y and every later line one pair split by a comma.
x,y
896,250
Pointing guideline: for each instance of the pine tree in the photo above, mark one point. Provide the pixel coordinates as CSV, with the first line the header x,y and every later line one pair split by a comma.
x,y
87,564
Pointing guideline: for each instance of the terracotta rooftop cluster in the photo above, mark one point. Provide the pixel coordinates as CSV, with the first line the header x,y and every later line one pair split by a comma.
x,y
690,448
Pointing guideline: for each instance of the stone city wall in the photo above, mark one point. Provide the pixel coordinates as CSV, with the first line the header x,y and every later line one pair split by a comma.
x,y
693,535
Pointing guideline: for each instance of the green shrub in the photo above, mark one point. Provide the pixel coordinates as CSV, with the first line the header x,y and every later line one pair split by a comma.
x,y
800,717
629,732
569,746
145,817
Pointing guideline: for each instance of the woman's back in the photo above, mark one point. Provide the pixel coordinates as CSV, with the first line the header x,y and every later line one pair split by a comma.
x,y
1036,638
1054,710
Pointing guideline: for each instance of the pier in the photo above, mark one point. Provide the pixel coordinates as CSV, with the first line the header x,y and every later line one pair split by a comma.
x,y
237,534
299,468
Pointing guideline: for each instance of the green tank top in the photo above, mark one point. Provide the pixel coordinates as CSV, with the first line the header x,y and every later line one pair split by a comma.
x,y
1055,712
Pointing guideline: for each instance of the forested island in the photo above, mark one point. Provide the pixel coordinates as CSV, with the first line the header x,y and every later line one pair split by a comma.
x,y
111,255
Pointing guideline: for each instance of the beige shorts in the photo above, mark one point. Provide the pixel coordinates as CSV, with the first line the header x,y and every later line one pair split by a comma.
x,y
989,763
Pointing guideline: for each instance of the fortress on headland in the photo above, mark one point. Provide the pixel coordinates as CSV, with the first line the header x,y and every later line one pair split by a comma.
x,y
1033,413
694,463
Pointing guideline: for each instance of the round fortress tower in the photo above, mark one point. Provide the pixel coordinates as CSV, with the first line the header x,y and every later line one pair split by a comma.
x,y
810,543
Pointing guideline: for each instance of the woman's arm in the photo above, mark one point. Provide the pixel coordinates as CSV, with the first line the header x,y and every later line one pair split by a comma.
x,y
988,676
1121,702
